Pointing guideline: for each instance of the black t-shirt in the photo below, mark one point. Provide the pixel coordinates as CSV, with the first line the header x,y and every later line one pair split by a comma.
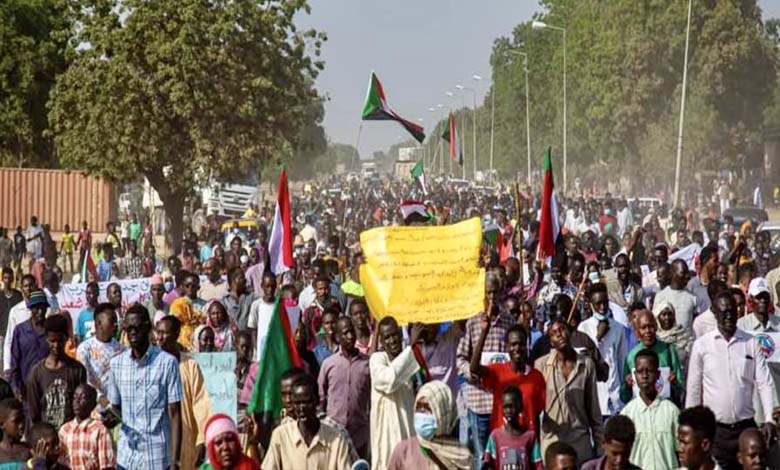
x,y
50,391
8,300
20,243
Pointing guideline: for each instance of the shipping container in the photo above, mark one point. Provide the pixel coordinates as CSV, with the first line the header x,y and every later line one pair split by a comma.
x,y
56,197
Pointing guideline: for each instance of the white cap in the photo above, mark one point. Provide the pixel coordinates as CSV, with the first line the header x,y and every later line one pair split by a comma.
x,y
757,286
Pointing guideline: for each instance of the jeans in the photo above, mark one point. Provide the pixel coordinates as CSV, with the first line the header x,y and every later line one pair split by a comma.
x,y
479,426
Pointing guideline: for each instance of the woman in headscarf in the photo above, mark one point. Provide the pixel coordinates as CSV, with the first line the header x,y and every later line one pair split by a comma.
x,y
219,321
203,340
432,449
671,332
182,309
223,447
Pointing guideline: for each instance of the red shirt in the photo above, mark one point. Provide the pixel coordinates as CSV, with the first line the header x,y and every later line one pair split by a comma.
x,y
531,385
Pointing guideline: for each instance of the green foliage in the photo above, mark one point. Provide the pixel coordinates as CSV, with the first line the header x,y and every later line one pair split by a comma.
x,y
33,36
624,74
196,88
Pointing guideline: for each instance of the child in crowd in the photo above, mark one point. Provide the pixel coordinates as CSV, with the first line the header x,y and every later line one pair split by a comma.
x,y
513,445
86,442
45,448
13,452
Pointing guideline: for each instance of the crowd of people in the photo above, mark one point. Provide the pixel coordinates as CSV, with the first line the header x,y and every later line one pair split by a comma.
x,y
645,342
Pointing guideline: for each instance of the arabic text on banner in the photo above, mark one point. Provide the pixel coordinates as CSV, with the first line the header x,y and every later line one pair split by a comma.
x,y
424,274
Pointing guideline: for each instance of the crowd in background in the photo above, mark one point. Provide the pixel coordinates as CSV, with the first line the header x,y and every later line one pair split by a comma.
x,y
636,346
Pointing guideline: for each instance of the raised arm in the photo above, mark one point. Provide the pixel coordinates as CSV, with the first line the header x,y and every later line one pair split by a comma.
x,y
475,367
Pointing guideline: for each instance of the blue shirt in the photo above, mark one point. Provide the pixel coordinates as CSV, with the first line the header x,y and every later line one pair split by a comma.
x,y
28,347
143,389
205,253
104,270
85,325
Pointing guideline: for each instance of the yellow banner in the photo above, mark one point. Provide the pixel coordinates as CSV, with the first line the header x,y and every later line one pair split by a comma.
x,y
424,274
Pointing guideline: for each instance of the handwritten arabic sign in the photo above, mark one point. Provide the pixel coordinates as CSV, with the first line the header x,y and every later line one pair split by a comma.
x,y
73,297
423,274
219,373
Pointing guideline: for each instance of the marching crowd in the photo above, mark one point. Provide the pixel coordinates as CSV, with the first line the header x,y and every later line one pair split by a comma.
x,y
645,342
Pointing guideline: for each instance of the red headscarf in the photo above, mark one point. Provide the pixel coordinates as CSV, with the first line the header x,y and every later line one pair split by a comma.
x,y
217,425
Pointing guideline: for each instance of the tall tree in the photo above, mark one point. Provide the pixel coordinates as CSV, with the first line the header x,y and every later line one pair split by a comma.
x,y
33,38
182,90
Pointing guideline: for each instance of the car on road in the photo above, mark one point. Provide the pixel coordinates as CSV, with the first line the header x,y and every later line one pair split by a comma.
x,y
773,227
741,214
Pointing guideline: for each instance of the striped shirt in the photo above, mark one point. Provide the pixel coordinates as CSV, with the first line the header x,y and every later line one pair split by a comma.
x,y
143,389
478,400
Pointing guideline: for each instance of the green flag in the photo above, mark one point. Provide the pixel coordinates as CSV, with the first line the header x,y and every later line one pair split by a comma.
x,y
419,174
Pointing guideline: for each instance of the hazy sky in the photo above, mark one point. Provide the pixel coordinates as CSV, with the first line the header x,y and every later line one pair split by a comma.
x,y
418,48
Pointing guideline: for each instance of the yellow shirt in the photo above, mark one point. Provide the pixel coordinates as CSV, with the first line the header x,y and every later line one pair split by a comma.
x,y
67,242
288,450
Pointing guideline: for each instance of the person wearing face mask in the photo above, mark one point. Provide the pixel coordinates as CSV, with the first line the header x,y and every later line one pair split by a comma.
x,y
432,448
392,393
609,336
608,223
513,445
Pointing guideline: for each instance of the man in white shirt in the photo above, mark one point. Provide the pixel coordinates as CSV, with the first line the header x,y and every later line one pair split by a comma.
x,y
684,302
19,313
706,322
761,321
609,335
726,366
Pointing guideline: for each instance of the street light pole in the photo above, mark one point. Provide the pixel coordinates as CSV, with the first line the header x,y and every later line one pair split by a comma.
x,y
678,163
527,115
473,126
543,25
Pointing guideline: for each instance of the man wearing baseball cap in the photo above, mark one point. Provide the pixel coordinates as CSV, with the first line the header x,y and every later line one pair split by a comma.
x,y
762,320
28,344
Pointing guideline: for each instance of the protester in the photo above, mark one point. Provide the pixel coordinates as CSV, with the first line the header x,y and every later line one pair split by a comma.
x,y
224,330
86,442
261,310
97,352
224,446
619,436
609,335
306,442
13,452
150,436
706,321
439,350
214,288
730,395
753,453
696,438
85,324
51,383
238,301
345,386
479,402
432,447
156,305
516,372
684,302
392,395
195,407
571,414
667,354
560,456
28,344
514,443
654,417
45,448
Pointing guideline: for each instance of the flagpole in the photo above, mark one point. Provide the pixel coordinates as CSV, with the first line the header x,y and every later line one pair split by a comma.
x,y
357,146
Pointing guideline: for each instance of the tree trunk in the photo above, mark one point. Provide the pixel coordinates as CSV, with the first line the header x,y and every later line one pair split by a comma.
x,y
173,203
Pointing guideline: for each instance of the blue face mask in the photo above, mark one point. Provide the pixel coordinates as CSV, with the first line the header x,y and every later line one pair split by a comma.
x,y
168,286
425,425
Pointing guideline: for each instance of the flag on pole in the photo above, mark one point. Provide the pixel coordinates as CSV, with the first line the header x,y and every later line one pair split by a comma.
x,y
278,356
280,244
87,267
451,136
549,221
377,109
419,174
